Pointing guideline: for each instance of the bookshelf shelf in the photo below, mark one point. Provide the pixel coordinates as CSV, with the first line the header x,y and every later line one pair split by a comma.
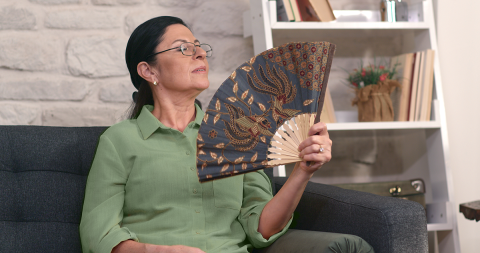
x,y
439,227
350,26
347,29
383,125
421,146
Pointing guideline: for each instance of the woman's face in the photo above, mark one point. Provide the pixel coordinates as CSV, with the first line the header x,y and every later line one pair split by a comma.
x,y
178,72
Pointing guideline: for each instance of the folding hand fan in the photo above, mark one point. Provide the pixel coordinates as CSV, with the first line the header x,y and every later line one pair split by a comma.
x,y
260,114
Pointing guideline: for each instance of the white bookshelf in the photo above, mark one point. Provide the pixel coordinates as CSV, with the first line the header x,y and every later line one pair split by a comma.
x,y
431,164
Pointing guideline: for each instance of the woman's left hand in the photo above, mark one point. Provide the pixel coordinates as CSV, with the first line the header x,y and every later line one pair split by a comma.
x,y
316,149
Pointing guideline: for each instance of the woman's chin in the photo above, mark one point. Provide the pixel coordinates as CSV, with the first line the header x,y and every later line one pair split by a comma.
x,y
203,85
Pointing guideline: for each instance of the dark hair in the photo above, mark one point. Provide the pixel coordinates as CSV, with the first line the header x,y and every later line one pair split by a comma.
x,y
142,43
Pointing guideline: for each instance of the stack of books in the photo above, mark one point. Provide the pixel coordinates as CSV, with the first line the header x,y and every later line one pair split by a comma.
x,y
415,72
304,10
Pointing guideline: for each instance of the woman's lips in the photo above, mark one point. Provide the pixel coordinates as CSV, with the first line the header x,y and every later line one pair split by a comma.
x,y
200,70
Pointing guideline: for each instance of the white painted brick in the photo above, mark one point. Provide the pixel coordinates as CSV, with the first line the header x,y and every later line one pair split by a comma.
x,y
16,19
97,56
29,52
228,52
103,101
83,19
134,19
117,2
55,2
44,89
176,3
118,91
220,17
18,114
83,115
235,52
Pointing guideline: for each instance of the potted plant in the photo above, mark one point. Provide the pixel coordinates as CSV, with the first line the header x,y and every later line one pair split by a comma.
x,y
373,85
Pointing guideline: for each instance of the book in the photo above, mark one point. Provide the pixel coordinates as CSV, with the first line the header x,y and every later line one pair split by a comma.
x,y
284,11
400,97
328,113
295,10
420,85
427,86
414,88
323,9
410,86
306,11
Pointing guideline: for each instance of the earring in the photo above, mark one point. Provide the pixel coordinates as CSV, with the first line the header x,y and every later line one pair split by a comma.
x,y
155,83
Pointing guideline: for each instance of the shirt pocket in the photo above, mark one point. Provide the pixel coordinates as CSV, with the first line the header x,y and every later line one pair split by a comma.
x,y
228,192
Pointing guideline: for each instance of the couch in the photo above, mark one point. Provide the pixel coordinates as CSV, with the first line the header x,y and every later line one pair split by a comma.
x,y
43,171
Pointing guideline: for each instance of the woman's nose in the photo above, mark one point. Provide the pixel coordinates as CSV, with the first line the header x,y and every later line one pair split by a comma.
x,y
199,52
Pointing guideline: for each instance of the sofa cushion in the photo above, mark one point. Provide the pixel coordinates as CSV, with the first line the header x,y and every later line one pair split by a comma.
x,y
43,171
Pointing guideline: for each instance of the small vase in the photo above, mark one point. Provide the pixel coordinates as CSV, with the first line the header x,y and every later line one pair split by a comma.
x,y
374,102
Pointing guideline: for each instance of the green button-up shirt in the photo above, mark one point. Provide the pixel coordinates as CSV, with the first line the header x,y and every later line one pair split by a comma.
x,y
143,186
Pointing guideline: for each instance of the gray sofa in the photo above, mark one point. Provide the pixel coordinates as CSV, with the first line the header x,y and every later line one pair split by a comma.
x,y
43,172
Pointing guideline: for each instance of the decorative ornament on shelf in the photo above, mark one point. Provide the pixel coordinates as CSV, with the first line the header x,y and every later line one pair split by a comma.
x,y
373,86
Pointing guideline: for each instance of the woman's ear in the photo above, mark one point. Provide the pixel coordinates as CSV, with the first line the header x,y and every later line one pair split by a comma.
x,y
146,72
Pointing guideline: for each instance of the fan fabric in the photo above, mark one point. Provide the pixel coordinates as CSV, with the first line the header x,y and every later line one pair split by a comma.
x,y
257,98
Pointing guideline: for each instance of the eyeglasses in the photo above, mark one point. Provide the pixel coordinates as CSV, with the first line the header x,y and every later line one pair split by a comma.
x,y
188,49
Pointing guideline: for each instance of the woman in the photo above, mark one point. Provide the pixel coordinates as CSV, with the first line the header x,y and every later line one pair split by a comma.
x,y
143,193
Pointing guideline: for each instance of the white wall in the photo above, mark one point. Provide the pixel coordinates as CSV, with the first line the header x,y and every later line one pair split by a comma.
x,y
459,52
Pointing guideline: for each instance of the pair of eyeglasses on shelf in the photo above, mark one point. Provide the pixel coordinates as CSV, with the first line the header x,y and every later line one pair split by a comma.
x,y
188,49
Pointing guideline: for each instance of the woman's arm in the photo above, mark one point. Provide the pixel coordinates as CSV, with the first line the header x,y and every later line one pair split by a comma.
x,y
104,200
279,209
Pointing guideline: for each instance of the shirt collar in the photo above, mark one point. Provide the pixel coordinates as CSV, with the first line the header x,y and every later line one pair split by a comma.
x,y
148,124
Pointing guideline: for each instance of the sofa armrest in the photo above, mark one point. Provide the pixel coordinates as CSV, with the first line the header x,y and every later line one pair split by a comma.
x,y
388,224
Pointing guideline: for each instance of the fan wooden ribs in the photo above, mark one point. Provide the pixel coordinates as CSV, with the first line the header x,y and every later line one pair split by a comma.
x,y
284,146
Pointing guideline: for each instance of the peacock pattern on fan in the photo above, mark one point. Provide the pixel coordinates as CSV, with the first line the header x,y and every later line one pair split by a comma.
x,y
254,101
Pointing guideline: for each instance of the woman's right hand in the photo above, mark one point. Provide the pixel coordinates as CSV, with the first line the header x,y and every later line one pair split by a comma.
x,y
133,246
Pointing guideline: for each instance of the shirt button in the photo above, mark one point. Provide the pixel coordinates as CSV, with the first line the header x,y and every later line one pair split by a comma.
x,y
195,191
192,168
197,211
188,152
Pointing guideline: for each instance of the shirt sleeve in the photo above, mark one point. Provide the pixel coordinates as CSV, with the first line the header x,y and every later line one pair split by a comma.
x,y
257,192
100,228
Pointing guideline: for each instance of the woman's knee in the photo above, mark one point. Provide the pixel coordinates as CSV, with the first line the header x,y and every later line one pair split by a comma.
x,y
349,244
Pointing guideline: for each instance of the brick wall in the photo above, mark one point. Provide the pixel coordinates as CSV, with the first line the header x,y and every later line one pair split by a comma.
x,y
62,61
